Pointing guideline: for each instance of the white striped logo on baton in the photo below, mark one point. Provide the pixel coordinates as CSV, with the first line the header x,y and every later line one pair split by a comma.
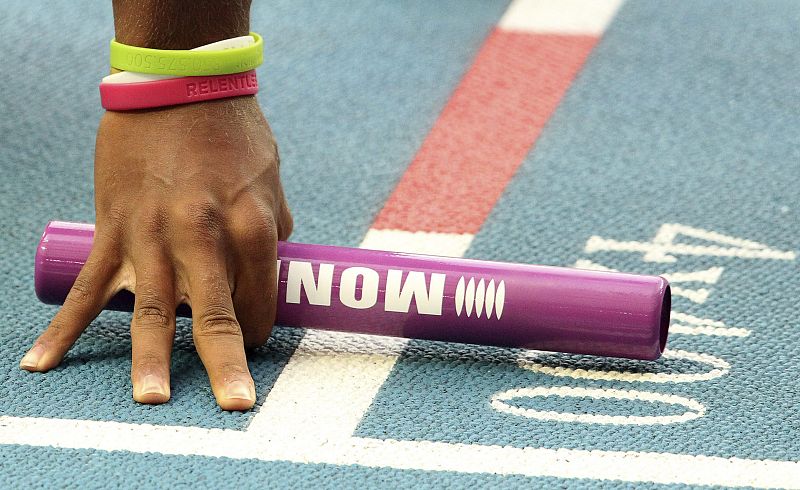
x,y
482,296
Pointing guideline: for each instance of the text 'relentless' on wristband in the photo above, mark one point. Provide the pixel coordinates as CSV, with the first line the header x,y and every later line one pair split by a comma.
x,y
175,91
184,62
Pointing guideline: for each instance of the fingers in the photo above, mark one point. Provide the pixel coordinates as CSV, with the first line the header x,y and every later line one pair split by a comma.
x,y
217,335
256,278
152,326
209,255
89,294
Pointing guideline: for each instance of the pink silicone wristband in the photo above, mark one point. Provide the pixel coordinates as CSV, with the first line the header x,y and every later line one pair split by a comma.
x,y
173,91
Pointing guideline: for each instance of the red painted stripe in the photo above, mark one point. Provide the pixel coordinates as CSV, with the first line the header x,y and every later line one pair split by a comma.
x,y
484,132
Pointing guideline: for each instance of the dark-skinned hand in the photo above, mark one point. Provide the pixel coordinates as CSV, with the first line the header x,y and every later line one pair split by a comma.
x,y
189,210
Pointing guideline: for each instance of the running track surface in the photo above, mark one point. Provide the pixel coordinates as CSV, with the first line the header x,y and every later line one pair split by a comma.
x,y
651,137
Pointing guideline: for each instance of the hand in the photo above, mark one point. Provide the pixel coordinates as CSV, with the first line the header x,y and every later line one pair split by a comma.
x,y
189,210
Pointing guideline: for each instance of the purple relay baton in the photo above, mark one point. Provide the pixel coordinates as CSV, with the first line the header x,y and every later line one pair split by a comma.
x,y
428,297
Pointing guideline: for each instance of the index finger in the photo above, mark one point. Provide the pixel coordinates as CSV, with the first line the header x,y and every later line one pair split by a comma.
x,y
86,299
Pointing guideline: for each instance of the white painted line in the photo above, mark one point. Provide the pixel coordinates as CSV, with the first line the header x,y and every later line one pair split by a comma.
x,y
663,247
664,253
694,409
421,242
706,330
686,324
696,320
708,276
699,295
592,266
669,231
576,17
327,386
413,455
720,367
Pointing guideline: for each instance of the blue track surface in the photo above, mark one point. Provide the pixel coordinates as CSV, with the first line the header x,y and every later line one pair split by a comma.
x,y
685,113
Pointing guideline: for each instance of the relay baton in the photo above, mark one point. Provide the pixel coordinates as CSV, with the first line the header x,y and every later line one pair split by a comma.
x,y
428,297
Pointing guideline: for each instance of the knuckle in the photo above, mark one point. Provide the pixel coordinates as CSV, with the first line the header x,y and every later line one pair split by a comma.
x,y
203,219
112,223
257,230
152,313
217,321
81,291
116,215
152,224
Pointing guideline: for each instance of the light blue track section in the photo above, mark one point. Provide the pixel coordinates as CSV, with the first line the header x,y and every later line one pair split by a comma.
x,y
100,470
685,113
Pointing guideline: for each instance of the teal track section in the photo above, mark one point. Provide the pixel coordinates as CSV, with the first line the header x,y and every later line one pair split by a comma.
x,y
685,113
88,470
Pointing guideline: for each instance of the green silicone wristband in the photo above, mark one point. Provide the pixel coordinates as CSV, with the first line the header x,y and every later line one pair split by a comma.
x,y
187,63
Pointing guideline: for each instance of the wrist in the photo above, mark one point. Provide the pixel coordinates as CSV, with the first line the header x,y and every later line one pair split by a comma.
x,y
179,24
220,114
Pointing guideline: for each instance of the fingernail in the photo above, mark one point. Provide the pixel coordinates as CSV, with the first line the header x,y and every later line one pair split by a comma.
x,y
239,390
152,385
31,359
